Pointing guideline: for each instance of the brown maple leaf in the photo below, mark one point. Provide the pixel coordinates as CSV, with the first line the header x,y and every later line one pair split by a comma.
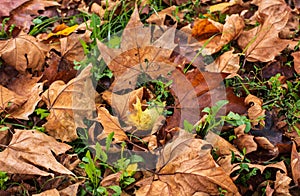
x,y
23,52
139,54
69,104
186,167
30,152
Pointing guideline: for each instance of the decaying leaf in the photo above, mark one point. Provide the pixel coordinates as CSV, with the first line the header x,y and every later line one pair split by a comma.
x,y
7,6
226,63
71,47
23,15
296,56
244,140
23,52
138,54
123,104
210,29
186,167
224,150
29,88
30,152
160,17
295,164
144,120
282,184
255,112
69,104
262,43
10,100
110,124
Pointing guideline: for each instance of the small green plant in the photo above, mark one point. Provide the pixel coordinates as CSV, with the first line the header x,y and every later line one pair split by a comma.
x,y
212,121
245,172
43,113
222,192
282,97
3,33
3,179
94,167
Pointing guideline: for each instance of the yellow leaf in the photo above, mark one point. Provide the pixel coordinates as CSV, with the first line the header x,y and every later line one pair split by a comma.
x,y
131,169
144,120
220,6
65,32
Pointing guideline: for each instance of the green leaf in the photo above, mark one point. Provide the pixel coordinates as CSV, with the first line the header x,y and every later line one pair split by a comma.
x,y
188,126
117,190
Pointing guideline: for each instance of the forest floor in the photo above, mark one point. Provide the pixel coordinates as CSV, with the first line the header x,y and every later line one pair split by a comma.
x,y
169,97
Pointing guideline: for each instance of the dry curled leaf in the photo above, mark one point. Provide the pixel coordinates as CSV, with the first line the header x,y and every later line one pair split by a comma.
x,y
255,112
281,186
23,52
110,124
160,17
295,164
29,88
69,104
31,152
23,15
244,140
226,63
10,100
186,167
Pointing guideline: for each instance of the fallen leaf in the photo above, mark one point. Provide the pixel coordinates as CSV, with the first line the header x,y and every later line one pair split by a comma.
x,y
70,190
71,47
7,6
69,104
110,124
23,15
144,120
204,28
23,52
51,192
296,56
274,12
10,100
261,43
138,54
112,179
29,88
226,63
220,6
281,186
244,140
186,167
123,104
160,17
31,152
63,32
295,164
232,28
291,27
224,151
255,112
58,68
208,33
